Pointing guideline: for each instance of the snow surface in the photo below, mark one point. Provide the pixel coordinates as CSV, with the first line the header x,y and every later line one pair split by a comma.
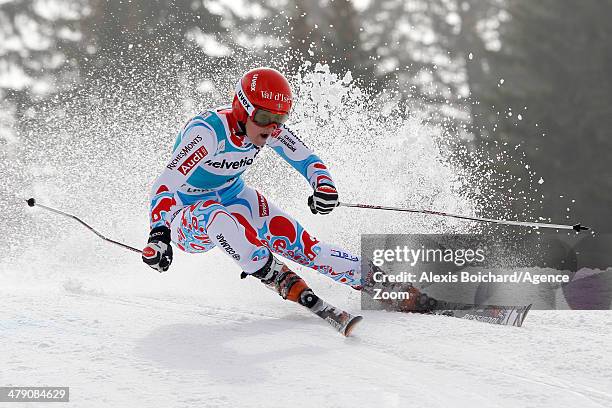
x,y
82,313
199,336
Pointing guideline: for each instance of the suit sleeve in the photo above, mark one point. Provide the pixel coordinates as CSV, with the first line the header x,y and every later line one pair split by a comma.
x,y
288,146
196,142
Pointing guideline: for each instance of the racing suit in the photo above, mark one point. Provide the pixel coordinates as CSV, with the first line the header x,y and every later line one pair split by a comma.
x,y
202,198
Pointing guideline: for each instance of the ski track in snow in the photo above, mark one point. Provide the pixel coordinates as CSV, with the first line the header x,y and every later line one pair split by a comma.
x,y
182,341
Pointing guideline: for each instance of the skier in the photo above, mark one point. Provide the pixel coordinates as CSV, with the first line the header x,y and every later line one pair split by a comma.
x,y
200,200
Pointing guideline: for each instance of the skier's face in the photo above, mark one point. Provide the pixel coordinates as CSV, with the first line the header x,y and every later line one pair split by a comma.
x,y
258,135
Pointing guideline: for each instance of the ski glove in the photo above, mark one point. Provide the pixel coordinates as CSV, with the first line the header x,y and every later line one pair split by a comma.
x,y
324,199
158,252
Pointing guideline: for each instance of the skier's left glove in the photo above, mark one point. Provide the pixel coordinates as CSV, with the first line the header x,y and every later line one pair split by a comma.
x,y
324,199
158,252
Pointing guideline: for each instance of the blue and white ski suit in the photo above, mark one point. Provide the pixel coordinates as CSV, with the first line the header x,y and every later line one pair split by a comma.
x,y
202,198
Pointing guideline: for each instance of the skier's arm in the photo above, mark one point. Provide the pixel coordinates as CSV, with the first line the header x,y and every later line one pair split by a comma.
x,y
287,145
294,151
193,144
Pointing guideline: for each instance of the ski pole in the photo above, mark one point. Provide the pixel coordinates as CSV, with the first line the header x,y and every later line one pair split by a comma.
x,y
576,227
32,202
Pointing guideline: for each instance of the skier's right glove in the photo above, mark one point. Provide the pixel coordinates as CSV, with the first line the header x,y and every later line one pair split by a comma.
x,y
158,252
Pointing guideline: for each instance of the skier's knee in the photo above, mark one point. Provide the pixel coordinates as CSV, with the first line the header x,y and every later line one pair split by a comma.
x,y
213,211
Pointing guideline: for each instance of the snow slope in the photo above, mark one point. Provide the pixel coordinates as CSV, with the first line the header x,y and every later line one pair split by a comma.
x,y
198,336
78,312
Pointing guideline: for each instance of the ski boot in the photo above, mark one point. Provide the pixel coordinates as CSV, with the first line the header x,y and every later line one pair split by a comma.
x,y
416,301
278,277
290,286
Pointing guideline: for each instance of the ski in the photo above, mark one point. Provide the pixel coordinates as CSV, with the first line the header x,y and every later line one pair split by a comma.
x,y
342,321
419,302
493,314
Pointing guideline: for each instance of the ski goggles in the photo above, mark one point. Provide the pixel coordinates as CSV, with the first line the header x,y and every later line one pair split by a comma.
x,y
262,117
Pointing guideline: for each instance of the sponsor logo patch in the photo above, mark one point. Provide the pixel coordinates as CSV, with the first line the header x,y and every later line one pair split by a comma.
x,y
264,210
326,189
191,162
183,152
243,99
275,96
341,254
227,247
277,132
224,164
197,190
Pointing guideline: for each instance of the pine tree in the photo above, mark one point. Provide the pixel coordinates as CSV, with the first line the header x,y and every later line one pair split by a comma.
x,y
555,63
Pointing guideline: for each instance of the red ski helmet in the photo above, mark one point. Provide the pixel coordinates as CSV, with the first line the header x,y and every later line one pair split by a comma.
x,y
264,95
